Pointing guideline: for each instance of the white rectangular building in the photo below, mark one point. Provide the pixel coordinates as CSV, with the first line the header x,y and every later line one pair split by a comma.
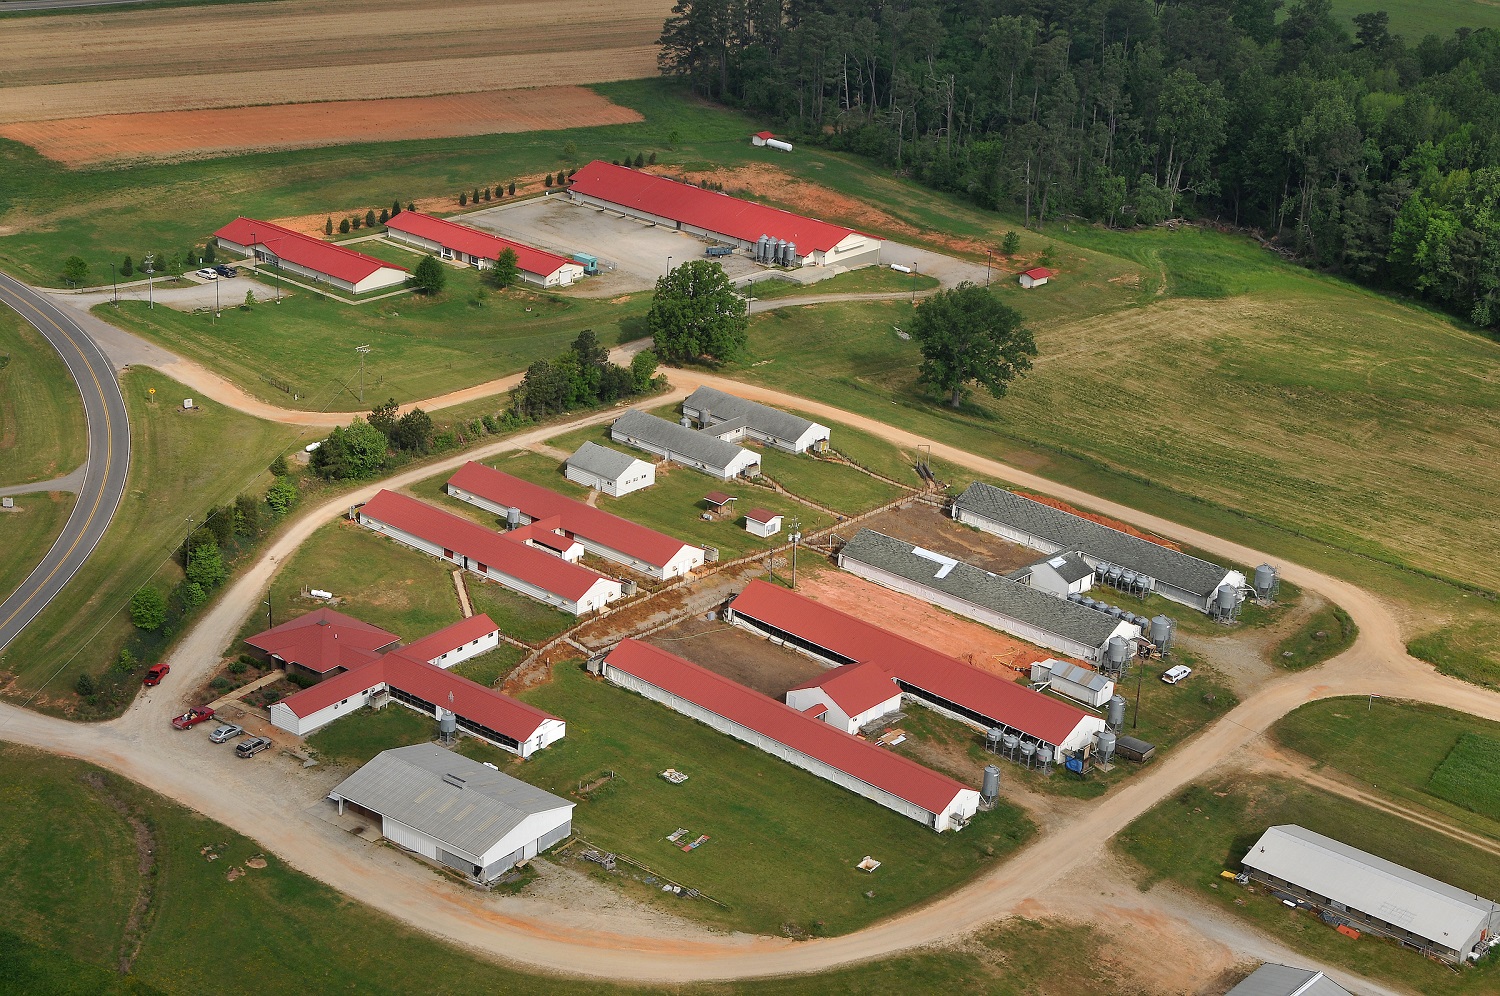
x,y
456,811
690,447
733,419
608,471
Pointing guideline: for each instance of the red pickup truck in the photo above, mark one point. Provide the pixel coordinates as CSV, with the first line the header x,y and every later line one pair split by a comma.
x,y
194,716
156,674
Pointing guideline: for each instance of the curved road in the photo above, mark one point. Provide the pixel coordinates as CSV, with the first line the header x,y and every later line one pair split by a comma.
x,y
108,461
140,746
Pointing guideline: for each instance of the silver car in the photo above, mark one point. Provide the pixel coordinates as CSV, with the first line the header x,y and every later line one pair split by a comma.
x,y
226,732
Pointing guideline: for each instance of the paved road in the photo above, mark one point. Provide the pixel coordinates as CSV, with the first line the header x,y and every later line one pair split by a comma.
x,y
141,747
103,474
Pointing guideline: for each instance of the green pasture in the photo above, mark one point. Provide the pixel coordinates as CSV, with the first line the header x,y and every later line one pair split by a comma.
x,y
27,532
42,430
869,280
180,467
1327,633
1420,753
1415,19
1207,828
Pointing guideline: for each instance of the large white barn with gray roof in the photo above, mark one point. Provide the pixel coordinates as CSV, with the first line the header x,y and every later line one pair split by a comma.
x,y
1374,894
699,450
734,418
456,811
993,599
1170,573
607,470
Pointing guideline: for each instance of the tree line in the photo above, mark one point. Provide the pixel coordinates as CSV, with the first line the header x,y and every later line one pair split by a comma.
x,y
1363,153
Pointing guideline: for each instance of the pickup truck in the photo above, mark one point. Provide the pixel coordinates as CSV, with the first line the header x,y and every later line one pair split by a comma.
x,y
156,674
194,716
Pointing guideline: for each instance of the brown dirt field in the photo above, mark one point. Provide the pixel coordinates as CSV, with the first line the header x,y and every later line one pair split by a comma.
x,y
776,185
200,133
244,54
931,529
738,656
985,648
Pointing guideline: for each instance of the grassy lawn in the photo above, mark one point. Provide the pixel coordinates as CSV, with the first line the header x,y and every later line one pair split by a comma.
x,y
867,280
518,616
488,669
420,346
1402,747
27,533
832,485
756,810
354,739
375,579
1326,634
180,466
1206,828
42,431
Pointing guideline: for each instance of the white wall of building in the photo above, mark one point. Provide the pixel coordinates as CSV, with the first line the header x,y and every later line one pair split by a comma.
x,y
638,475
938,821
763,529
803,698
283,718
1083,693
563,276
473,648
1044,577
385,276
744,461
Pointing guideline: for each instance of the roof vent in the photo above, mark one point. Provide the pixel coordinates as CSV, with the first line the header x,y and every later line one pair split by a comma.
x,y
455,781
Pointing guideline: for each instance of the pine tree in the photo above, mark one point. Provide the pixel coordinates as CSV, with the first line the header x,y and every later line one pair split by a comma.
x,y
127,267
328,226
344,226
549,179
395,207
475,196
463,200
385,216
370,218
486,193
640,160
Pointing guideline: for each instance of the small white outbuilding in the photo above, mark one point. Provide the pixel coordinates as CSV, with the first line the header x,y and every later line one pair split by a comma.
x,y
759,522
609,471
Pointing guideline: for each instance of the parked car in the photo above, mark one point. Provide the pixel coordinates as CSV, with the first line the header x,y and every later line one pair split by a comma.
x,y
1176,673
253,746
223,270
226,732
156,674
208,273
194,716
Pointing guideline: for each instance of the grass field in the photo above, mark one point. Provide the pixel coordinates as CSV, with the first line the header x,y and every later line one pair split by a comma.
x,y
488,669
1415,19
1420,753
518,616
1307,647
42,433
870,280
1187,840
420,347
180,466
26,534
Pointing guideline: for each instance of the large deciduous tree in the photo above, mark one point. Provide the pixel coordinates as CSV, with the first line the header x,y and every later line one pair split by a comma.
x,y
697,316
429,276
968,336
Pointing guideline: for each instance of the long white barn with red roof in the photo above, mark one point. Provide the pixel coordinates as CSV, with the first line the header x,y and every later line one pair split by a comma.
x,y
302,255
451,240
532,561
932,679
719,216
415,676
891,780
601,533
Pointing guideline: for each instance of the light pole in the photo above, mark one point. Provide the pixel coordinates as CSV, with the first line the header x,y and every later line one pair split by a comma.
x,y
987,253
187,547
216,302
669,266
913,281
362,350
150,280
270,623
796,538
114,282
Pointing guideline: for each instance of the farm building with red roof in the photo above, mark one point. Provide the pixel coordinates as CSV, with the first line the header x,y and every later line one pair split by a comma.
x,y
719,216
323,642
415,677
516,560
304,256
800,739
451,240
927,677
1036,277
601,533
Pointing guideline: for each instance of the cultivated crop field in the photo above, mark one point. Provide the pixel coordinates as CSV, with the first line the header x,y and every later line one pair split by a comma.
x,y
163,60
195,133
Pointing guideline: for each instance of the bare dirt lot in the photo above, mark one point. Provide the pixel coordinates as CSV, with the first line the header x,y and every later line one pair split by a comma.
x,y
740,656
929,528
985,648
196,133
298,51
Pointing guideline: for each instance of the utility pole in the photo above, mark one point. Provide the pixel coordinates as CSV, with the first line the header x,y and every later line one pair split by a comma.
x,y
216,302
150,262
796,538
187,548
669,266
1135,717
269,623
114,282
361,350
987,254
914,282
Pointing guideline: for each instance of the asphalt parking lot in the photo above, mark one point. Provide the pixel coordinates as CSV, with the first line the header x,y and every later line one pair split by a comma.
x,y
631,254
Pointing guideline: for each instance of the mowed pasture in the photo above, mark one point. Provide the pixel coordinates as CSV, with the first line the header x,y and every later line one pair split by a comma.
x,y
1415,19
1324,410
193,133
42,430
186,58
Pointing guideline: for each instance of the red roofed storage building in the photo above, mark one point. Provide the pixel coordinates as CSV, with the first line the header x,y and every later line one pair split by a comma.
x,y
891,780
719,216
601,533
302,255
932,679
323,642
516,562
451,240
413,679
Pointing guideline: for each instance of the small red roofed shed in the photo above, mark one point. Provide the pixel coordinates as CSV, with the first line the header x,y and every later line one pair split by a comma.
x,y
1036,277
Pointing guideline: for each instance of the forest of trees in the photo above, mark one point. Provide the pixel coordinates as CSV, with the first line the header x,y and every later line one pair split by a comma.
x,y
1362,152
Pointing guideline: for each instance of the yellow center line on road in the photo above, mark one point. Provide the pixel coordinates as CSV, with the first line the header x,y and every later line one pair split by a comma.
x,y
16,303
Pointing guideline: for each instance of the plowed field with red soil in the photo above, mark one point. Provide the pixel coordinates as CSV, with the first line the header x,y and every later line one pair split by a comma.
x,y
83,141
985,648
